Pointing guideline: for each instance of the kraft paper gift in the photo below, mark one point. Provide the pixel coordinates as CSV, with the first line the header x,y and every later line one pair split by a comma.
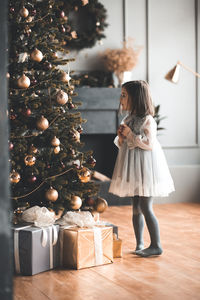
x,y
115,228
117,248
86,247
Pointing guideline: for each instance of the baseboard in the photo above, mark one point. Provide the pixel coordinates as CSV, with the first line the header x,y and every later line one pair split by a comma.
x,y
187,187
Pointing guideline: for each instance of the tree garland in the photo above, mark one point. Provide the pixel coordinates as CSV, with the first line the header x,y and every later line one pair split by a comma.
x,y
85,21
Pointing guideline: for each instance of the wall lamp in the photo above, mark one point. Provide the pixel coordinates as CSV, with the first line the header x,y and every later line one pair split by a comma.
x,y
174,74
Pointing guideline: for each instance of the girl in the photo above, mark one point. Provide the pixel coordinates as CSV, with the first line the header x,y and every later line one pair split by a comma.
x,y
141,170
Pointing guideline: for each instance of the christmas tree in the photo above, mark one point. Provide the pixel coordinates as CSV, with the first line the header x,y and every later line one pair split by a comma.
x,y
47,167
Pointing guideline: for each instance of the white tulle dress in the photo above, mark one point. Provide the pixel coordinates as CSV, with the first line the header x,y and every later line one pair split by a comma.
x,y
141,168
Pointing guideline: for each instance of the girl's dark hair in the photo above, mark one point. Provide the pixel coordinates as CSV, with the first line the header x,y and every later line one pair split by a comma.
x,y
139,97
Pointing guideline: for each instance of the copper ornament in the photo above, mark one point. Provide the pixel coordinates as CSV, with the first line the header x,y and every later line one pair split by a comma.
x,y
100,205
51,194
29,160
62,97
75,202
23,82
56,150
36,55
55,142
14,177
24,12
84,175
42,123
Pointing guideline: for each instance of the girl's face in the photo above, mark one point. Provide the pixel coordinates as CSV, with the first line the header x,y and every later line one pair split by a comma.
x,y
124,100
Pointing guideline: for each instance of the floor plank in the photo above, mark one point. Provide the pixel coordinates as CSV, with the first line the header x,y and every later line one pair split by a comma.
x,y
174,275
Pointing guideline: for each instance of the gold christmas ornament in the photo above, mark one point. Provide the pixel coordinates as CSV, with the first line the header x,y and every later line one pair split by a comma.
x,y
56,150
74,34
55,55
36,55
27,30
100,205
65,77
33,149
17,213
75,202
84,175
51,194
29,160
42,123
29,19
24,12
75,135
55,142
62,97
23,82
71,87
14,177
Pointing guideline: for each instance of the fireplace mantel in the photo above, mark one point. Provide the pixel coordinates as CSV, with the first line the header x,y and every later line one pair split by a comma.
x,y
100,109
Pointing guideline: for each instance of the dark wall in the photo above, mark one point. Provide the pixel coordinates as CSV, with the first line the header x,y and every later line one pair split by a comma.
x,y
100,109
104,151
5,233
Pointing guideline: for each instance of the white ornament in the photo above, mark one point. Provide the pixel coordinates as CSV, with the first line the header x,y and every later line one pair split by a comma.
x,y
22,57
62,97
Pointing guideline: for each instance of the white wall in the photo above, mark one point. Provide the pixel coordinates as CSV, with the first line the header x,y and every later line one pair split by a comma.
x,y
167,32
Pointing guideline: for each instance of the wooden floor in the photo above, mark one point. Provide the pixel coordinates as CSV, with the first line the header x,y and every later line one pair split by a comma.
x,y
173,276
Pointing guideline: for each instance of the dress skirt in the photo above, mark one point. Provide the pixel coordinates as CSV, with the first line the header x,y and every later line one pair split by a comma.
x,y
140,172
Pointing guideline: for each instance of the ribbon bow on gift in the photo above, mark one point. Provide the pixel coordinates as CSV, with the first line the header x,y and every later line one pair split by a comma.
x,y
40,216
80,219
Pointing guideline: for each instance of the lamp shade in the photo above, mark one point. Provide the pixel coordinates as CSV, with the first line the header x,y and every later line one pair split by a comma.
x,y
173,74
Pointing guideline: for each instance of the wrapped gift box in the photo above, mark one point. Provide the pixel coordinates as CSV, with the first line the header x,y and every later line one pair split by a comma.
x,y
115,228
117,248
87,247
34,249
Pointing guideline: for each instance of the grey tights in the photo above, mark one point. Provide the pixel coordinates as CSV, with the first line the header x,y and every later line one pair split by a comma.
x,y
143,208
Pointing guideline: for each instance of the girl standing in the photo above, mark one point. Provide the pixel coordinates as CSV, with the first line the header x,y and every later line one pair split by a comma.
x,y
141,169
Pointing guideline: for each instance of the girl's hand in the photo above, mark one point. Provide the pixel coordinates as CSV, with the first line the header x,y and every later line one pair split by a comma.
x,y
124,129
120,136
